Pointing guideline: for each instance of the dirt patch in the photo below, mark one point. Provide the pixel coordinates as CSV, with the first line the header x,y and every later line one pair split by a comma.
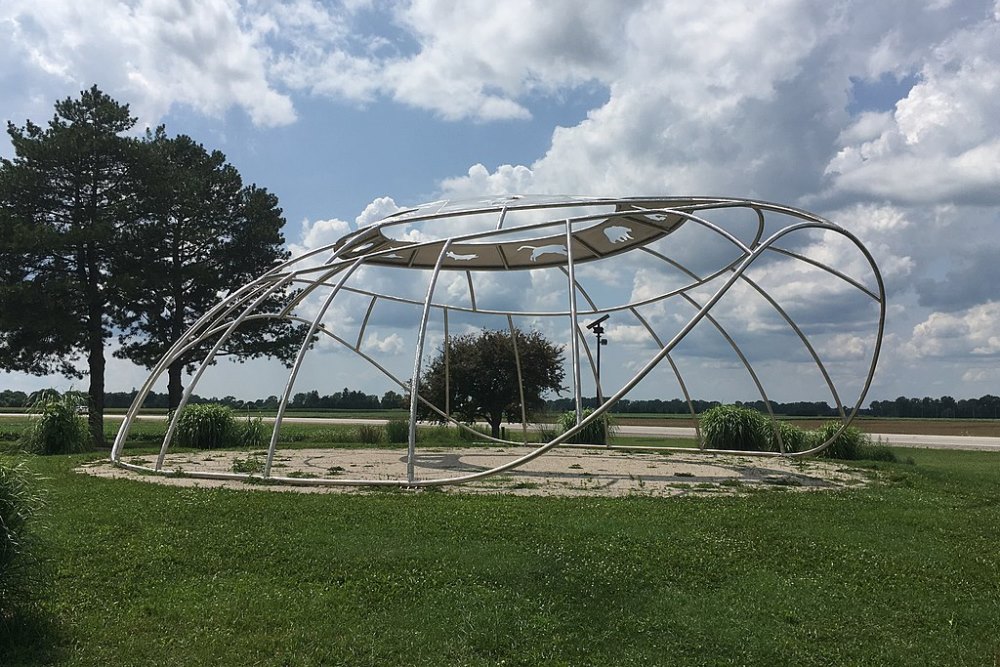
x,y
577,472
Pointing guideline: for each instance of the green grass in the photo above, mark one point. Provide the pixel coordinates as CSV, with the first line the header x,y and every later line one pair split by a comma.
x,y
904,572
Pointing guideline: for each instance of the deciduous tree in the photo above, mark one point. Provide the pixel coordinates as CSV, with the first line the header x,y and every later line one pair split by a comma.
x,y
482,376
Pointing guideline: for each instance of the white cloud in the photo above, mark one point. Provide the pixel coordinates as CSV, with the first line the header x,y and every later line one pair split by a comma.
x,y
318,234
940,143
378,209
156,53
391,344
975,331
478,181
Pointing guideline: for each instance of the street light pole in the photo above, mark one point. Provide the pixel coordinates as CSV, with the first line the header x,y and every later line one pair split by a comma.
x,y
598,330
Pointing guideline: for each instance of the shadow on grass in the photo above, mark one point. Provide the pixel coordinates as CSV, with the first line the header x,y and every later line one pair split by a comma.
x,y
31,636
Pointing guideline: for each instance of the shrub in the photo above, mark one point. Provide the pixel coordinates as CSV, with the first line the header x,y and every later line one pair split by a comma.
x,y
734,427
369,434
397,430
877,451
19,500
207,426
848,445
792,437
57,427
473,432
598,432
253,432
337,435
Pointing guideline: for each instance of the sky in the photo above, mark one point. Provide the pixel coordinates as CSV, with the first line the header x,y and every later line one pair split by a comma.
x,y
883,117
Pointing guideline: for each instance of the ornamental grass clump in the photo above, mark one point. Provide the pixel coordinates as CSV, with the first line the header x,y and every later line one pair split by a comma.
x,y
253,432
56,427
793,438
851,444
370,434
397,430
597,432
735,427
20,499
207,426
848,445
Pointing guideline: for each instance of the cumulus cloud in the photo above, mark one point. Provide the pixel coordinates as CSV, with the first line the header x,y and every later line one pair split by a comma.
x,y
391,344
974,331
319,233
940,142
157,53
379,208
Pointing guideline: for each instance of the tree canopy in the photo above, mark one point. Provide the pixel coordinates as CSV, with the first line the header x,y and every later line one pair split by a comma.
x,y
64,199
201,233
481,376
102,233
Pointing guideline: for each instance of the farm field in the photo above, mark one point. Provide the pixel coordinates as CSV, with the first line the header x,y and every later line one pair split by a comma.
x,y
902,571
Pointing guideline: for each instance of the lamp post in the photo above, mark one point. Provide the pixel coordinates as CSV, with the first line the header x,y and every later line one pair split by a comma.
x,y
597,327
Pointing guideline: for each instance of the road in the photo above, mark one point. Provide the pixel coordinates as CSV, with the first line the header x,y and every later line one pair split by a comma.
x,y
978,443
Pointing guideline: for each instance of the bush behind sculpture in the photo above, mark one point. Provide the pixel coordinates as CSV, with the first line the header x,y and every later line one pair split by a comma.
x,y
735,427
598,432
849,445
793,438
207,426
57,427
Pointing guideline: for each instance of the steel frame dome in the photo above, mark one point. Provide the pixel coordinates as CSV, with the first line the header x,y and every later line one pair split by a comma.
x,y
535,236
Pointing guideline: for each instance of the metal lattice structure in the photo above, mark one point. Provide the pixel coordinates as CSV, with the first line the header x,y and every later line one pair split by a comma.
x,y
693,264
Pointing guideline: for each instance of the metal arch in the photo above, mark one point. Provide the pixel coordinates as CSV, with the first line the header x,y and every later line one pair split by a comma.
x,y
788,320
574,344
172,427
292,272
297,364
417,360
677,374
520,378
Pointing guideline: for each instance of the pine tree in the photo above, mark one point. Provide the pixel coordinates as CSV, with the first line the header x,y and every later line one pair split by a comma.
x,y
63,200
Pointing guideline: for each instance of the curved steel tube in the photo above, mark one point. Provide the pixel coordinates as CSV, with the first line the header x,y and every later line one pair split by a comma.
x,y
241,306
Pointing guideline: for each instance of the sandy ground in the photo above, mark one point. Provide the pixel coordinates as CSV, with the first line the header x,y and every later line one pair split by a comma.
x,y
562,472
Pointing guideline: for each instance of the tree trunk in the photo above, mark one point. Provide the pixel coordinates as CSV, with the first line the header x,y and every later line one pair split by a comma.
x,y
95,345
95,361
495,425
174,387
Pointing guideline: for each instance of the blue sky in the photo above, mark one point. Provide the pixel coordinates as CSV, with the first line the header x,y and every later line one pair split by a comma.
x,y
883,117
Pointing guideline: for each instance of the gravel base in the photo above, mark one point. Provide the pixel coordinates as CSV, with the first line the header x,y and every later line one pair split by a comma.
x,y
562,472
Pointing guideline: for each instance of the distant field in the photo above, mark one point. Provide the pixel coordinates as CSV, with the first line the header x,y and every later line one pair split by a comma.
x,y
874,425
970,427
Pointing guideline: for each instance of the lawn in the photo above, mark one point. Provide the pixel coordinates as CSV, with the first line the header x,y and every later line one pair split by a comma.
x,y
903,572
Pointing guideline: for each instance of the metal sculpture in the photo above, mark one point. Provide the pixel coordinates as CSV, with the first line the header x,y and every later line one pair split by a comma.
x,y
540,243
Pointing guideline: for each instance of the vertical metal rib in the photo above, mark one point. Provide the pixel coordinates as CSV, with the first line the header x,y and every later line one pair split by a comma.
x,y
472,290
294,371
574,345
520,379
447,366
415,379
364,323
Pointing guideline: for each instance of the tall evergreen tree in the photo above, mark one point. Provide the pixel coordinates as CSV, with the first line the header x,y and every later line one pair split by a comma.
x,y
63,201
201,234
